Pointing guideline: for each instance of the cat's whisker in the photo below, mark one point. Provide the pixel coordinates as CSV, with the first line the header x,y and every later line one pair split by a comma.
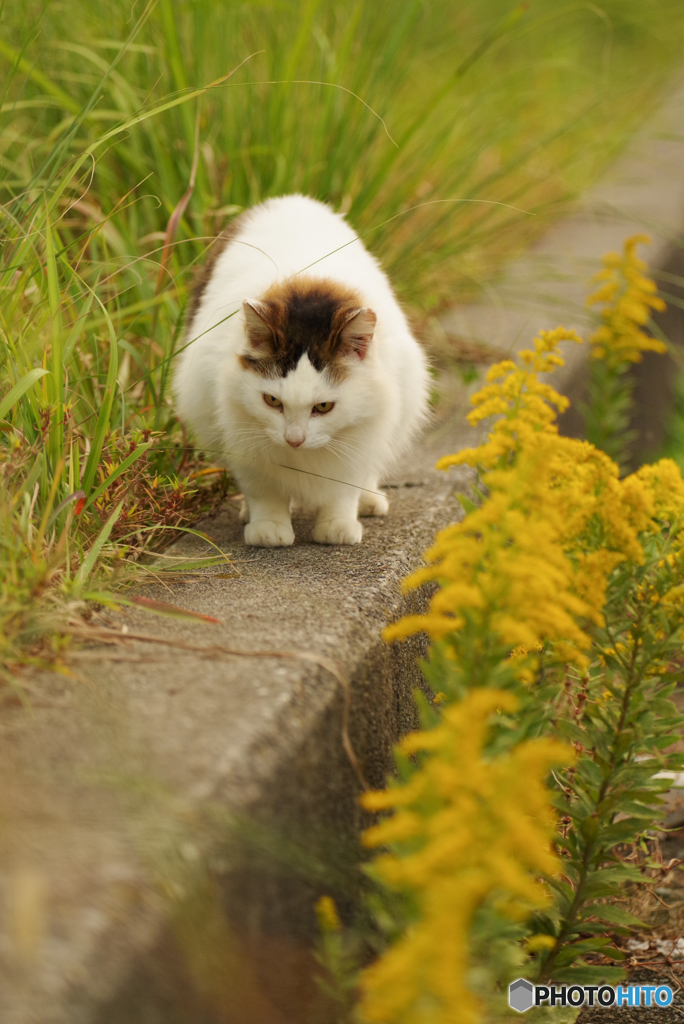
x,y
248,437
251,451
350,453
354,449
343,441
248,433
348,458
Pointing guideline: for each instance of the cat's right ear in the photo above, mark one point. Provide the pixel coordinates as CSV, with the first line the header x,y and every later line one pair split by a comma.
x,y
357,332
259,331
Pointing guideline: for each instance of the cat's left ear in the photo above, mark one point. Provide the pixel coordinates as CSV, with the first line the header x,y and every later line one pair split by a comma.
x,y
258,326
357,332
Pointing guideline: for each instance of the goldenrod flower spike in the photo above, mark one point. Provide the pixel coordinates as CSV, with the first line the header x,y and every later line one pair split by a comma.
x,y
326,912
522,566
519,566
628,297
474,831
526,406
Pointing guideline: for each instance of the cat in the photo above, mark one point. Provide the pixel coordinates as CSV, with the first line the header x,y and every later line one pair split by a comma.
x,y
299,371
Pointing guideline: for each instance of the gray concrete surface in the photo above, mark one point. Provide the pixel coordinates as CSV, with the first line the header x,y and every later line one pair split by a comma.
x,y
154,776
169,811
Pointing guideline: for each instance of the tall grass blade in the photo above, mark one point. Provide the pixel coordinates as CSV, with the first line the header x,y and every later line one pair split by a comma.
x,y
77,329
126,464
103,420
56,477
150,605
100,541
75,496
20,389
31,71
57,383
163,107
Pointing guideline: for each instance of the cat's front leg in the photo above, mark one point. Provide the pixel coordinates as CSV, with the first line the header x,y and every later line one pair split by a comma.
x,y
371,501
336,523
269,523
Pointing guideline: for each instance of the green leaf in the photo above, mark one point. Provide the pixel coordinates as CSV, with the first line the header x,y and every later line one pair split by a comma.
x,y
589,770
606,881
572,950
28,67
76,329
590,828
636,810
105,410
101,539
34,474
585,974
57,379
26,382
147,604
584,928
160,109
127,462
613,953
564,893
467,504
568,730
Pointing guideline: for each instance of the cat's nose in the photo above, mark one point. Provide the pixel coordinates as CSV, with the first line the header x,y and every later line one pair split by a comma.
x,y
294,435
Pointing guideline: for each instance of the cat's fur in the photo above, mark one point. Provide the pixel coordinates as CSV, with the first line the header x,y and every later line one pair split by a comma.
x,y
314,321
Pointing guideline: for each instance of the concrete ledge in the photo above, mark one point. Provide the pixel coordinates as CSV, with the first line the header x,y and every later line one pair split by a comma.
x,y
160,785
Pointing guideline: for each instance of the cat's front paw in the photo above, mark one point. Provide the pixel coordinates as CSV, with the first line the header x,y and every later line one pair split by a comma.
x,y
338,531
266,534
373,505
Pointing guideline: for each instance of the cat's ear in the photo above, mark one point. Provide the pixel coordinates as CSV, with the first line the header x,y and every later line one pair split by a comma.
x,y
357,332
259,331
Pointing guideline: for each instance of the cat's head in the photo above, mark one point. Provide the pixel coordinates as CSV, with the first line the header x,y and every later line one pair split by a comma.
x,y
305,345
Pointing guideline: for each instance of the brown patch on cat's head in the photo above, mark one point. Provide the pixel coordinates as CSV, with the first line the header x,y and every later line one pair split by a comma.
x,y
316,317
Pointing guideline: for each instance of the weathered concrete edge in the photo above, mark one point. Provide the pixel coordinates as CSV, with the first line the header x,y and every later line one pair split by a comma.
x,y
290,774
293,798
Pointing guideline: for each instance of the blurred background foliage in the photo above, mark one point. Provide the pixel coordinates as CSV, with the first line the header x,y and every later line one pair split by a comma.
x,y
486,103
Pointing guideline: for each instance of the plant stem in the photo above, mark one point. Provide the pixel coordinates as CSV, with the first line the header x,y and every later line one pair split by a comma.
x,y
590,848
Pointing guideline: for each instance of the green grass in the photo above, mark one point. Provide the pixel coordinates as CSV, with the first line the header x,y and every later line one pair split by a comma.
x,y
450,132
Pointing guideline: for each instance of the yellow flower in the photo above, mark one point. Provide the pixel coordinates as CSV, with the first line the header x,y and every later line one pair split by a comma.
x,y
518,566
326,912
537,555
525,404
537,942
628,297
665,488
529,568
475,833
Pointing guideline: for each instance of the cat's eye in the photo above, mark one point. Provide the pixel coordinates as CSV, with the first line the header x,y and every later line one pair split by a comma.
x,y
274,402
323,407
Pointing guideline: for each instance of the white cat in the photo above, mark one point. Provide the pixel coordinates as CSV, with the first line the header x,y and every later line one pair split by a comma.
x,y
300,372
